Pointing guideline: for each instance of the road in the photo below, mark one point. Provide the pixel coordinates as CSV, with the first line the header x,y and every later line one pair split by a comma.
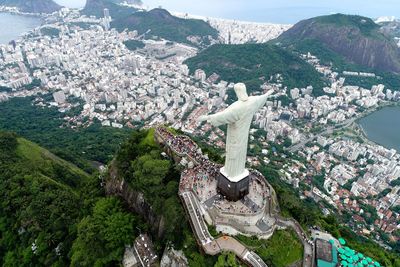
x,y
254,259
328,130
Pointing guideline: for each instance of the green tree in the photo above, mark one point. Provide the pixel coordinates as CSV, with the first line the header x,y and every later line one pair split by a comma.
x,y
8,144
149,171
227,260
103,235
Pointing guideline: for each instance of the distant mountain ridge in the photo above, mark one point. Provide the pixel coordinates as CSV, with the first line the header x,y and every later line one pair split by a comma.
x,y
358,39
32,6
159,22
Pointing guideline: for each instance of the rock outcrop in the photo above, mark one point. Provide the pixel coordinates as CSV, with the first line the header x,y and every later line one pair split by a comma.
x,y
116,186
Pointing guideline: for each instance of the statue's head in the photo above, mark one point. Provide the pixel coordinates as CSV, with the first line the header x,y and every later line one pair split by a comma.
x,y
240,90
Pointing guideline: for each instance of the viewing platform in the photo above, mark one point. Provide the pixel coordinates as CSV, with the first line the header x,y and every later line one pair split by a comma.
x,y
256,214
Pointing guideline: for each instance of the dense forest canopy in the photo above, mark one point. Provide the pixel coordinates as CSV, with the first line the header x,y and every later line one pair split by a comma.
x,y
54,214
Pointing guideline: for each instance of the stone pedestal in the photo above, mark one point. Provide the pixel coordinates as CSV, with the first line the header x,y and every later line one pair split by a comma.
x,y
233,190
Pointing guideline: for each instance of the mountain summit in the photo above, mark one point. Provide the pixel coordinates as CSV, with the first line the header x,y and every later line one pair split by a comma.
x,y
96,8
32,6
358,39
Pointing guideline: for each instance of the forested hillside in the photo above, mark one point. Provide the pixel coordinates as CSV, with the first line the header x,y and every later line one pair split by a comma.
x,y
159,22
254,64
85,147
54,214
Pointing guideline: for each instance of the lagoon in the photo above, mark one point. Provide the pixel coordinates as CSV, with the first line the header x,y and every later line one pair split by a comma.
x,y
12,26
383,127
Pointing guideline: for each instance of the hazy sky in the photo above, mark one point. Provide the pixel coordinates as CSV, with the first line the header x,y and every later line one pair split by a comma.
x,y
278,11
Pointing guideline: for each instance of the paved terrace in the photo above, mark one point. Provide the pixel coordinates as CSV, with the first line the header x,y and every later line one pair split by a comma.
x,y
204,184
197,185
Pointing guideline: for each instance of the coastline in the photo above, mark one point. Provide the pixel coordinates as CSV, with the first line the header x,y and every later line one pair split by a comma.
x,y
15,11
369,112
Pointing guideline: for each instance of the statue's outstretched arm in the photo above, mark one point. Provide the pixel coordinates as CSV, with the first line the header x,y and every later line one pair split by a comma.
x,y
227,116
263,98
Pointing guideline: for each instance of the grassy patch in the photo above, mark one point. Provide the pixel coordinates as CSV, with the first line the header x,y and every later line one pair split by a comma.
x,y
282,249
134,44
41,158
213,231
149,139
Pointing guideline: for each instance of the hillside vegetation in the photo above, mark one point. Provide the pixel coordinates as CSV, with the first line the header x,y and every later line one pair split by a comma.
x,y
143,167
366,25
159,22
339,63
254,64
134,44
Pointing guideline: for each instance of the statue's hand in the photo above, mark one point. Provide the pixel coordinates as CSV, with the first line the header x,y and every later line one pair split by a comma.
x,y
202,118
270,92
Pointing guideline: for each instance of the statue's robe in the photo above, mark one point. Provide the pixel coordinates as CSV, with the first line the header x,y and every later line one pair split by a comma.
x,y
238,116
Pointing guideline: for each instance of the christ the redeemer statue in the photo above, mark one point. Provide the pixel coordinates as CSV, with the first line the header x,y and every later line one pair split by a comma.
x,y
238,116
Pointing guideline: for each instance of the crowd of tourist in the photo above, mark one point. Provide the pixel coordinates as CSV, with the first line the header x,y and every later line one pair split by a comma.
x,y
183,145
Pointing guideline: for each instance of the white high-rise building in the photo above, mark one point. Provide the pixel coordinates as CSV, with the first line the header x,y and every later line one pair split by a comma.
x,y
107,19
200,75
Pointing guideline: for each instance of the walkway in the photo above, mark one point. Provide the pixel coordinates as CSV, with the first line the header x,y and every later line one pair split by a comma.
x,y
213,246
